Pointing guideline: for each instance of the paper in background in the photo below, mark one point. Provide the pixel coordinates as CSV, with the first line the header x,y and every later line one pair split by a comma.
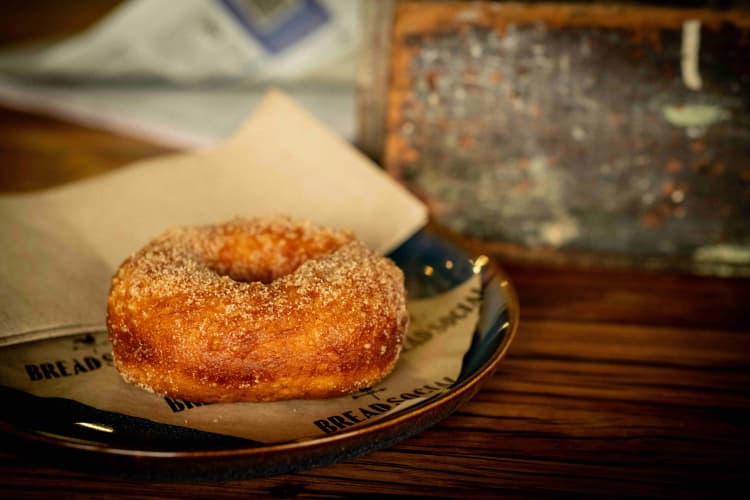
x,y
187,77
61,246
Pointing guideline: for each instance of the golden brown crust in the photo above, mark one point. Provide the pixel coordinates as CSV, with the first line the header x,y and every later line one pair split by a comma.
x,y
256,310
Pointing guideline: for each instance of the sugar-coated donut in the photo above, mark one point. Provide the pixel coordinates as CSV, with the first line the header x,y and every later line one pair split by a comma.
x,y
256,310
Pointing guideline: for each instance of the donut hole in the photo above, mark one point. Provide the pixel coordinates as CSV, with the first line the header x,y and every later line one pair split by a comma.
x,y
252,261
249,274
250,253
253,267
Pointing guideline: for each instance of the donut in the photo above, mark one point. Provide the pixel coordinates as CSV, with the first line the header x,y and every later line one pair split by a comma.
x,y
258,309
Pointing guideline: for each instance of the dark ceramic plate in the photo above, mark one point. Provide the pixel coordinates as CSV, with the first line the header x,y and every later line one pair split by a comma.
x,y
140,447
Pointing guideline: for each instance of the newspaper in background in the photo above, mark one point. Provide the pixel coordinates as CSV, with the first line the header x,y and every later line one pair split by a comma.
x,y
188,76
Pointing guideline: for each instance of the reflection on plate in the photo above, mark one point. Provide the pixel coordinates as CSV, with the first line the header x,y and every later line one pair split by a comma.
x,y
139,447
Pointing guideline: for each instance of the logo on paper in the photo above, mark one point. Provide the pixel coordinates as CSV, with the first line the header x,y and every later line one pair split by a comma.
x,y
368,391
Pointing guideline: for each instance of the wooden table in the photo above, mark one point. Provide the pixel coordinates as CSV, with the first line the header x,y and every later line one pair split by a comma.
x,y
618,383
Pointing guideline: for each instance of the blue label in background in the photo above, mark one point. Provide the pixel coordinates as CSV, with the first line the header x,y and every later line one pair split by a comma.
x,y
277,24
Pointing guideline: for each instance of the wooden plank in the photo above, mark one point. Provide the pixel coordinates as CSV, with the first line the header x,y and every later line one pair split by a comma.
x,y
40,152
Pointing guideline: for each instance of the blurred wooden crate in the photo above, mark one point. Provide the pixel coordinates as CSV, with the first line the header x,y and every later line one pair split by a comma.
x,y
570,133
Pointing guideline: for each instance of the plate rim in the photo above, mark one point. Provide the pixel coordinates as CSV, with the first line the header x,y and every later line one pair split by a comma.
x,y
451,399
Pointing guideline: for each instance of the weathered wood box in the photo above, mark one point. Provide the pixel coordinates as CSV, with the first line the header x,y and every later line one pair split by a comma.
x,y
570,132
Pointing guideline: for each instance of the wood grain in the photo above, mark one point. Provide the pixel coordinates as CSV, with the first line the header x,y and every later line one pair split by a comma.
x,y
40,152
22,22
578,408
619,383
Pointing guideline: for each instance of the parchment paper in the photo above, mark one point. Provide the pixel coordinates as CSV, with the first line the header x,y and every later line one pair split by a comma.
x,y
60,247
80,368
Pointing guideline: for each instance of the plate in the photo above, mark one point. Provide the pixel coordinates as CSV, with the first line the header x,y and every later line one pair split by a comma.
x,y
139,447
